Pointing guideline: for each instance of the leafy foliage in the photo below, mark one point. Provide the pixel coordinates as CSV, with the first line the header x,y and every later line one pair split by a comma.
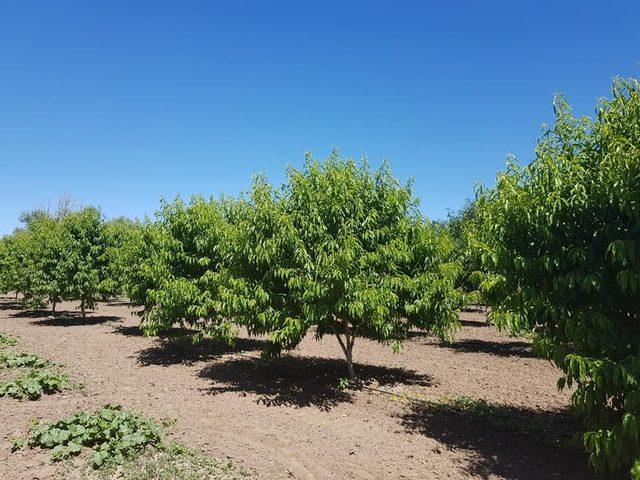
x,y
113,433
461,226
16,259
40,379
7,340
85,256
69,257
341,249
186,269
141,263
175,462
560,241
118,234
33,384
17,444
9,359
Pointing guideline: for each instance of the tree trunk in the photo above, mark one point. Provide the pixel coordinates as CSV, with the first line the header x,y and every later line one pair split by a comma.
x,y
84,315
53,307
350,369
347,349
17,295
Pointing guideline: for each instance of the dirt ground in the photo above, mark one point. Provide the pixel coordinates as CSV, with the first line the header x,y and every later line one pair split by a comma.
x,y
289,420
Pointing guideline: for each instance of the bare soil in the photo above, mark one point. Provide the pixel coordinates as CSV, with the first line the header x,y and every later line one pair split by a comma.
x,y
289,419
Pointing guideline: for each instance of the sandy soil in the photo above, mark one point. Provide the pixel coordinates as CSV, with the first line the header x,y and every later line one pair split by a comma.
x,y
289,420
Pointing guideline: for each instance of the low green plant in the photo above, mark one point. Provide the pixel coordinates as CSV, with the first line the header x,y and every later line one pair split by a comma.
x,y
17,444
34,383
174,462
344,383
7,340
9,359
114,434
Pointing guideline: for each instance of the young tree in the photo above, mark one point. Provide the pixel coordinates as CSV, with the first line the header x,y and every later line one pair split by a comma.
x,y
341,250
31,217
118,233
141,263
560,239
187,252
43,263
12,262
461,226
24,262
84,260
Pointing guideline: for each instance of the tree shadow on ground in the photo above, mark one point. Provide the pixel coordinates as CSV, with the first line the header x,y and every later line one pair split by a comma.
x,y
505,441
475,309
121,303
179,348
474,323
41,313
515,348
464,323
11,306
67,319
299,381
135,331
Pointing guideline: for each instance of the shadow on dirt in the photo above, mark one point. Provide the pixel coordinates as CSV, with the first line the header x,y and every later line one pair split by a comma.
x,y
40,313
474,323
180,349
299,381
67,319
515,348
11,306
505,441
121,303
134,331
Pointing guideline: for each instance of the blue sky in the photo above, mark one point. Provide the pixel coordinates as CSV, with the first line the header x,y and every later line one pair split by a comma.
x,y
119,102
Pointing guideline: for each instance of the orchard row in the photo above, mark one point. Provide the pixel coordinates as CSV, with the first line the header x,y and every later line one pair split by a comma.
x,y
342,250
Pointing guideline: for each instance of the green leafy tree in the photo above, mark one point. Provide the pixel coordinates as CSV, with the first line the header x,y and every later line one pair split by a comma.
x,y
141,263
461,226
182,278
119,233
12,263
342,251
560,240
85,257
29,259
32,217
44,260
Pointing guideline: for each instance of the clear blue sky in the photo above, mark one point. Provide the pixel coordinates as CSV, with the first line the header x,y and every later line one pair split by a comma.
x,y
121,102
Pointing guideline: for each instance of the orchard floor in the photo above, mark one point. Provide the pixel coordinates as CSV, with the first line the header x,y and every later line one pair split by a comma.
x,y
289,419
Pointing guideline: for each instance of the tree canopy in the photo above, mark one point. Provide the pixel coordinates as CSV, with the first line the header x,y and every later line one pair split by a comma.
x,y
339,250
560,240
